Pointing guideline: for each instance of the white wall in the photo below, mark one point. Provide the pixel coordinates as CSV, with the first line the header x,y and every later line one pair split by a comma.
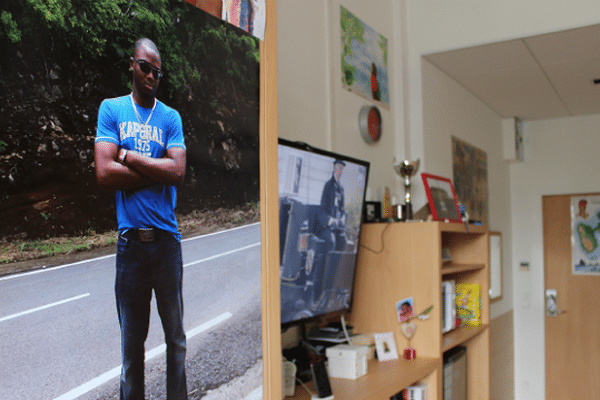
x,y
439,25
449,110
312,105
555,151
302,72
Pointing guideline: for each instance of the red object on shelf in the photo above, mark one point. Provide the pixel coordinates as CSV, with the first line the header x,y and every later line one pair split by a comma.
x,y
410,353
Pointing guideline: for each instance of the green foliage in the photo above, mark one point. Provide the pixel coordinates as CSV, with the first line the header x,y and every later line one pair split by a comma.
x,y
3,145
9,27
54,12
103,31
50,248
352,29
212,48
384,48
587,238
89,26
347,72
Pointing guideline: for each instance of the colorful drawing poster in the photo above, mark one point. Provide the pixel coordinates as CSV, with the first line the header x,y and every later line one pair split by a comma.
x,y
248,15
468,303
364,60
585,235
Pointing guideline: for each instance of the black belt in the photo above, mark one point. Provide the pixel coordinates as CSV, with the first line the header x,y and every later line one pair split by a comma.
x,y
144,234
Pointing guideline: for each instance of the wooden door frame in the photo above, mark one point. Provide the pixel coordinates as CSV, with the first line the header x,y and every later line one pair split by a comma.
x,y
559,351
269,209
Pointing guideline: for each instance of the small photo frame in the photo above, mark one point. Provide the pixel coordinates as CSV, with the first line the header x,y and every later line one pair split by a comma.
x,y
386,346
441,197
372,211
405,309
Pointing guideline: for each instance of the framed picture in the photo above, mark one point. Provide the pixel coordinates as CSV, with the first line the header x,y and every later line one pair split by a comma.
x,y
372,211
386,346
441,197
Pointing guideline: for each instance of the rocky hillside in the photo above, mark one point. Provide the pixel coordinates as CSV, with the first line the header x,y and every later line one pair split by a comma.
x,y
48,113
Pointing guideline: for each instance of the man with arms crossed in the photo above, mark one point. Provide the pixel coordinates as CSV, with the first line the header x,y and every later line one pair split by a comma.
x,y
140,153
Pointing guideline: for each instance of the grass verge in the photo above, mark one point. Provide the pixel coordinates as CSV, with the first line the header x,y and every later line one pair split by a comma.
x,y
195,223
23,250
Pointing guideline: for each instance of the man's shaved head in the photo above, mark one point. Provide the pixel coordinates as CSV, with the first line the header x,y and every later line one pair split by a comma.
x,y
146,67
145,43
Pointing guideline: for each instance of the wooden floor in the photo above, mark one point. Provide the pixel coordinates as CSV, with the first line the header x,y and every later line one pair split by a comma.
x,y
502,358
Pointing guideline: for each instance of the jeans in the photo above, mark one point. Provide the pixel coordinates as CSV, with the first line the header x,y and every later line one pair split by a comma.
x,y
143,267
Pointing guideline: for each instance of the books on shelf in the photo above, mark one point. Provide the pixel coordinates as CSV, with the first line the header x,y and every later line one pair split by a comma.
x,y
468,303
414,392
461,304
448,306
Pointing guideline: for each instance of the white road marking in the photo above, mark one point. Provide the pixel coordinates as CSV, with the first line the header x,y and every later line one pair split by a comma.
x,y
257,394
44,269
220,232
87,294
115,372
43,307
221,255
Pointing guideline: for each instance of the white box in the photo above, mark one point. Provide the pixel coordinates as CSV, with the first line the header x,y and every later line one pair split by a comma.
x,y
347,361
368,340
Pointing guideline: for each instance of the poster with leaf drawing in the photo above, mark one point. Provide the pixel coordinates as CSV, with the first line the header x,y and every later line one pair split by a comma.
x,y
585,235
364,60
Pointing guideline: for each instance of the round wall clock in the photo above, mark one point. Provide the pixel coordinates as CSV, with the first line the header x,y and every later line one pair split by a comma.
x,y
369,123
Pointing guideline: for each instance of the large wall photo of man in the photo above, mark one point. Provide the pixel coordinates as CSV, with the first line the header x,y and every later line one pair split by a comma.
x,y
130,262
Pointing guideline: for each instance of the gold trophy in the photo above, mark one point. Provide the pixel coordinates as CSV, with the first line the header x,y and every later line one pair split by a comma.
x,y
406,169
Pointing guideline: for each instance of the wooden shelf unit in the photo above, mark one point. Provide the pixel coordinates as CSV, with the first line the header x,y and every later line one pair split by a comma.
x,y
382,380
400,260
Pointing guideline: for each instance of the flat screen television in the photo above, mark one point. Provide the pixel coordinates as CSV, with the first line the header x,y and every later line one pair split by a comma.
x,y
321,200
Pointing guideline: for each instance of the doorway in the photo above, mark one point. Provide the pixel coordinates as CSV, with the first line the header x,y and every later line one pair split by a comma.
x,y
572,322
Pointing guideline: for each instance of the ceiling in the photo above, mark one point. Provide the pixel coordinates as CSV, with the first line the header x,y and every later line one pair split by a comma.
x,y
539,77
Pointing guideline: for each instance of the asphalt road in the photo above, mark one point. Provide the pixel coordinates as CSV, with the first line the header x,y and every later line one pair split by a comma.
x,y
59,334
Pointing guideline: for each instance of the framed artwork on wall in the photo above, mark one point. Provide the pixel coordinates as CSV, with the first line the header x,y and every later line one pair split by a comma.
x,y
364,61
469,166
441,197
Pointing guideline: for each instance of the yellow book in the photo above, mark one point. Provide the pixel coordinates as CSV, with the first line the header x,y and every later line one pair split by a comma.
x,y
468,303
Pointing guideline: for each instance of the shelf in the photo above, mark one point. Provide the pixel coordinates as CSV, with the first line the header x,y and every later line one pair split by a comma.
x,y
460,335
382,380
456,227
450,268
399,260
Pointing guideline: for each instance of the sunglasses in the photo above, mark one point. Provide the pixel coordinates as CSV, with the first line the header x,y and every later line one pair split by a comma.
x,y
146,68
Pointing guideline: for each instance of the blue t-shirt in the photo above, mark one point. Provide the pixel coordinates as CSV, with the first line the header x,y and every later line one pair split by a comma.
x,y
152,206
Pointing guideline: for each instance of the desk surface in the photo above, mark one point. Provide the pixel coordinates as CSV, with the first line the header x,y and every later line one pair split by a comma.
x,y
383,379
